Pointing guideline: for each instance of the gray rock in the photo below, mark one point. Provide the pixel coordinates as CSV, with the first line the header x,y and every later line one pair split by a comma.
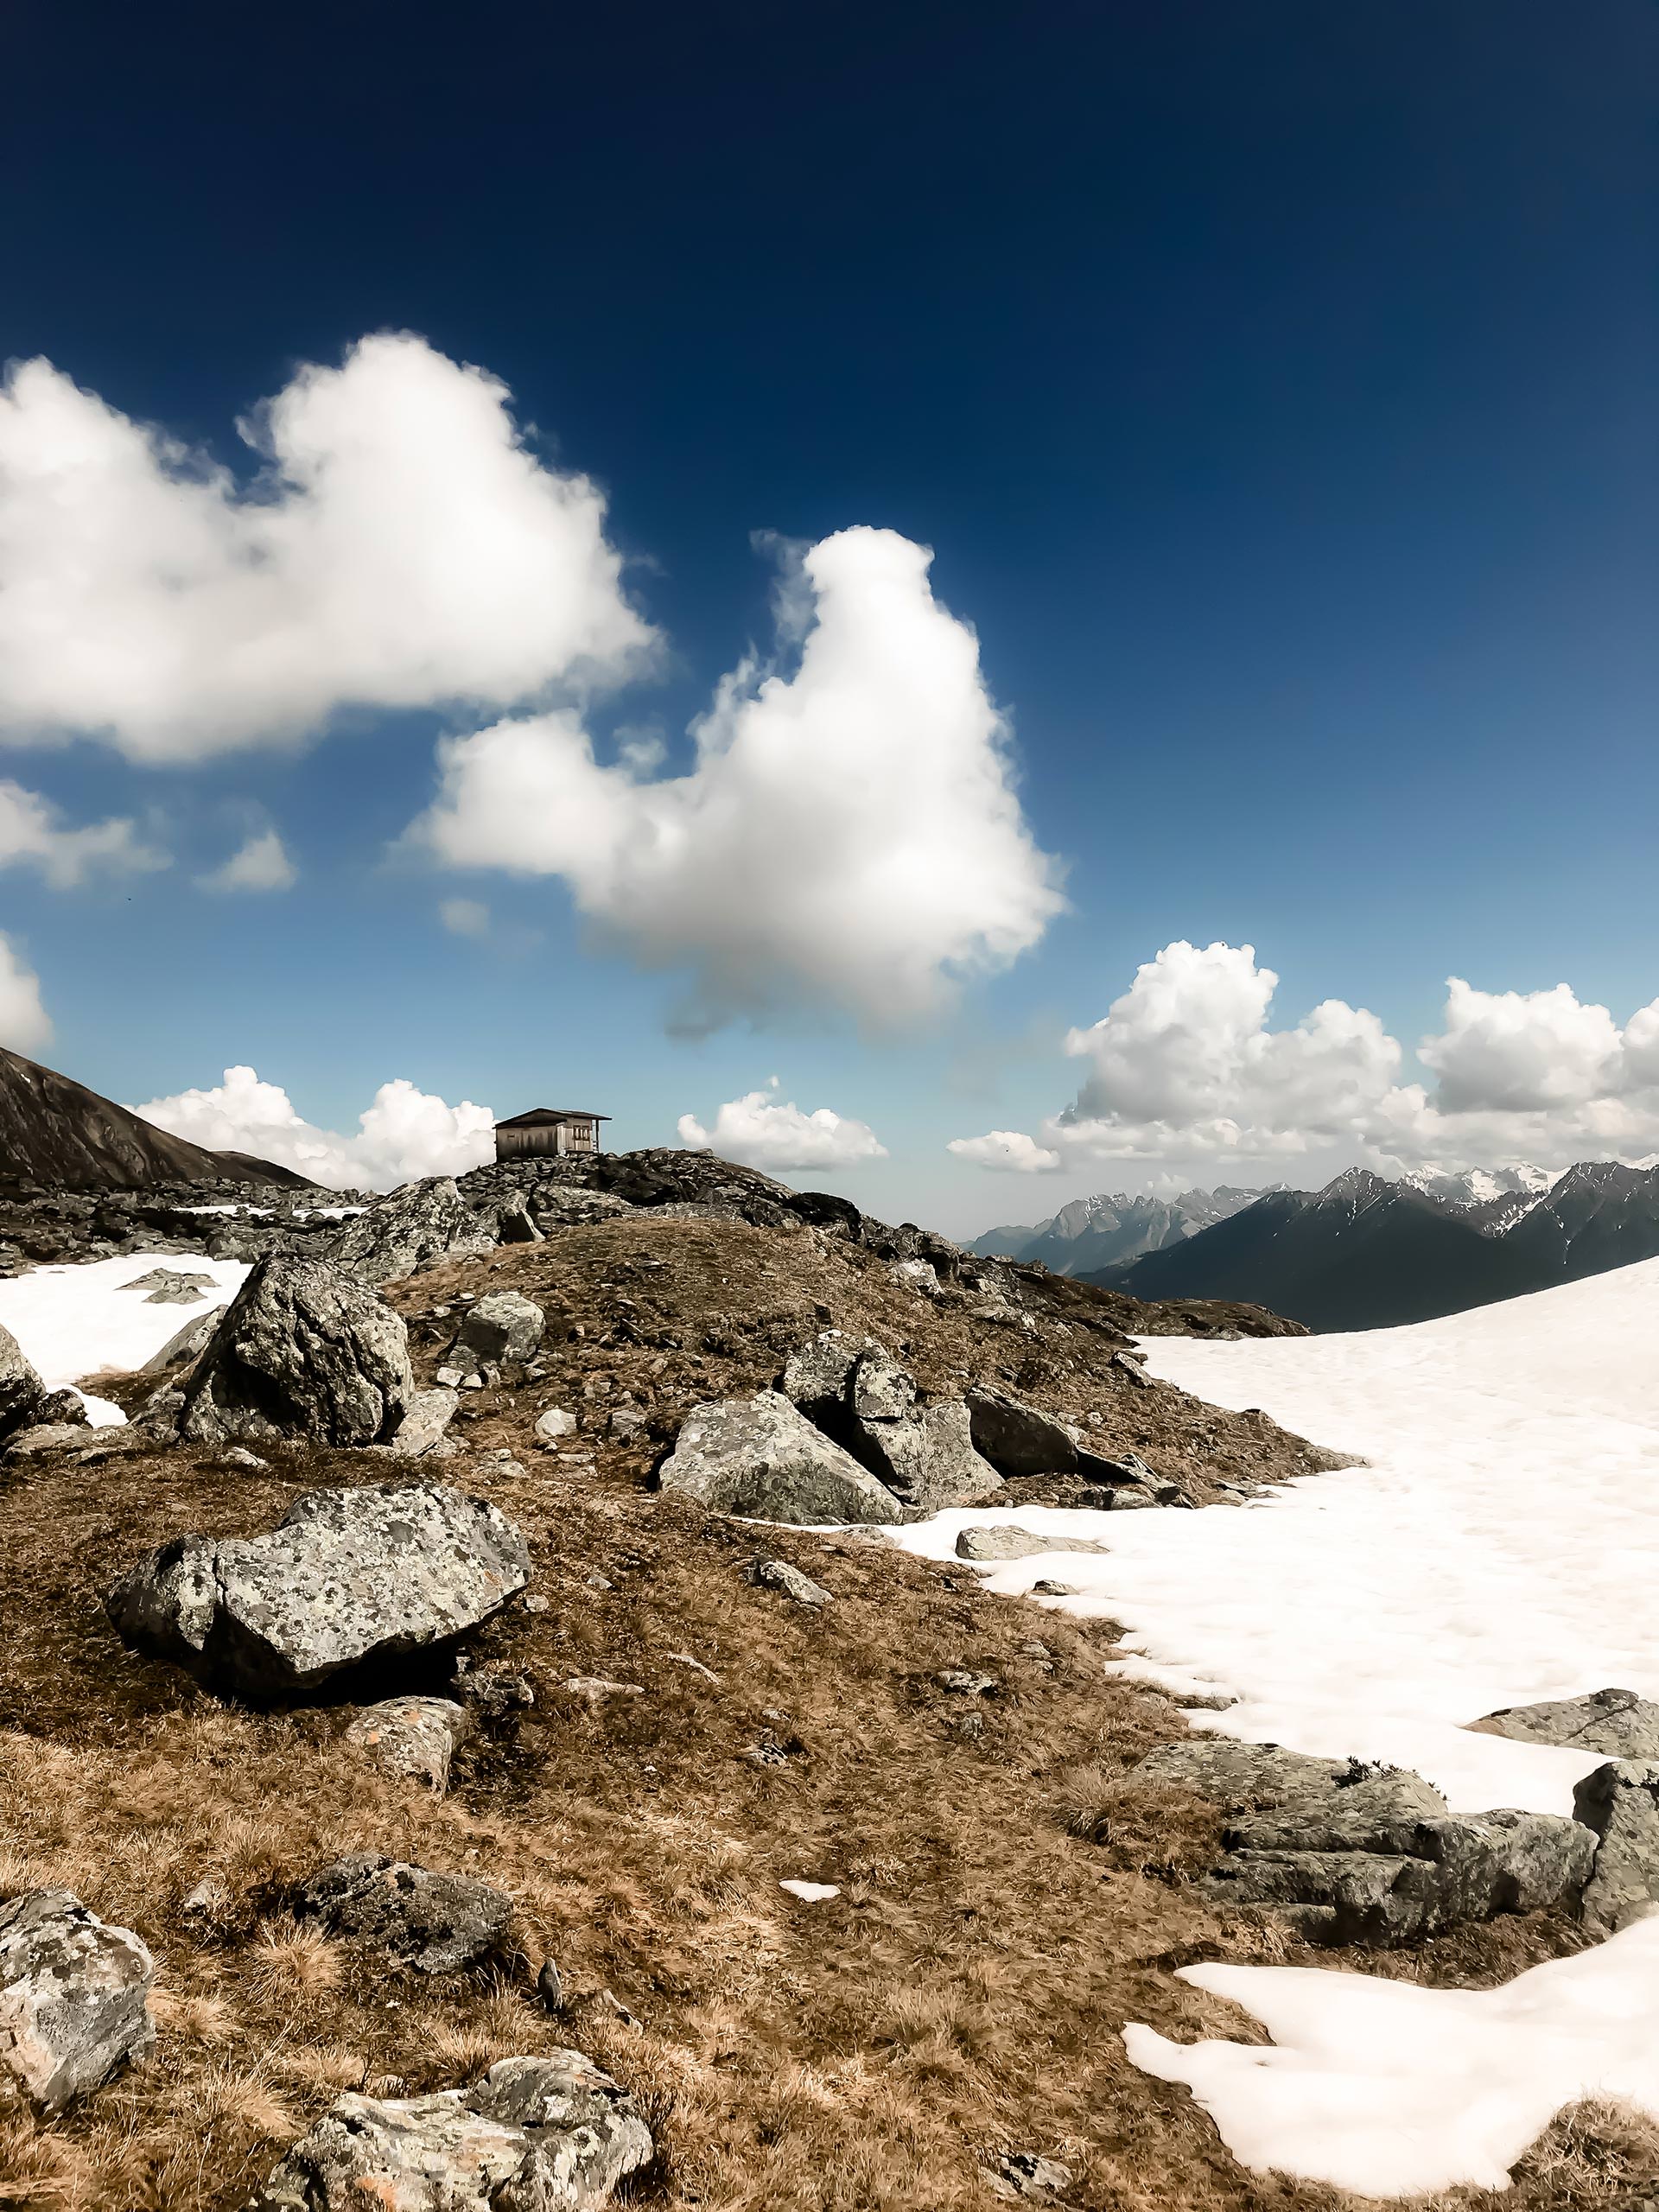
x,y
567,1206
818,1375
493,1691
348,1576
1017,1439
50,1436
1350,1853
162,1282
779,1574
966,1681
21,1388
72,1997
552,1426
761,1458
552,2134
436,1923
926,1459
237,1455
1616,1723
409,1229
413,1737
879,1390
426,1417
1620,1802
501,1326
188,1344
511,1223
1023,2177
304,1351
1011,1542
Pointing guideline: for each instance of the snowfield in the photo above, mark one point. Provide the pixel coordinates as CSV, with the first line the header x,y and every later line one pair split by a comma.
x,y
76,1320
1500,1547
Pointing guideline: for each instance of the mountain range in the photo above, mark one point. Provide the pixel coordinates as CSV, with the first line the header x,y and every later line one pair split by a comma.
x,y
1365,1253
54,1131
1111,1228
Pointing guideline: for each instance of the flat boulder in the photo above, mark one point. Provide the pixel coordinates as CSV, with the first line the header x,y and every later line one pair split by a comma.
x,y
1347,1853
409,1228
761,1458
779,1574
1017,1439
552,2134
1000,1544
1616,1723
425,1421
1620,1803
348,1577
436,1923
304,1352
72,1997
21,1388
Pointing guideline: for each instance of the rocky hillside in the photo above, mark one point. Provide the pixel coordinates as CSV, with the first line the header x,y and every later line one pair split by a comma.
x,y
447,1761
57,1133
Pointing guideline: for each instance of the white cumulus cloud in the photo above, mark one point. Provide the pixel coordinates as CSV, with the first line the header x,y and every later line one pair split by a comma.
x,y
401,546
259,863
24,1024
763,1130
849,834
1185,1066
32,833
405,1134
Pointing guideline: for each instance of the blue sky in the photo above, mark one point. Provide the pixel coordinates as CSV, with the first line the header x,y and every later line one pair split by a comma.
x,y
1274,390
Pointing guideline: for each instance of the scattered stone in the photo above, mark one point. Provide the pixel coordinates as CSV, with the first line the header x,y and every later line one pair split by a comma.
x,y
685,1659
422,1222
436,1923
304,1351
552,2134
968,1725
1022,2178
1620,1802
779,1574
536,1603
558,1421
188,1344
500,1328
168,1286
1017,1439
626,1422
1616,1723
49,1436
597,1687
495,1691
1049,1588
237,1455
417,1737
965,1681
761,1458
813,1892
73,1995
1351,1854
346,1576
1010,1542
207,1900
449,1378
426,1417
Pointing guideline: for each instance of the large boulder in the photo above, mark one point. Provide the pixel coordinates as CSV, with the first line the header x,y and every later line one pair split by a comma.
x,y
926,1459
552,2134
1620,1802
1616,1723
72,1996
21,1388
1348,1854
436,1923
409,1229
761,1458
348,1577
304,1351
1017,1439
499,1327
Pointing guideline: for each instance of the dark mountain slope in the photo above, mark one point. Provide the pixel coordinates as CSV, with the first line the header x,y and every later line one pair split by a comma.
x,y
1110,1227
56,1132
1364,1254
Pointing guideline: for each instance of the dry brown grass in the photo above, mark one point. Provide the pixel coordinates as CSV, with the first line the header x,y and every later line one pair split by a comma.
x,y
1007,1903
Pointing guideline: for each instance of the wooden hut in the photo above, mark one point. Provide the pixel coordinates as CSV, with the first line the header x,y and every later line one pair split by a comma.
x,y
547,1129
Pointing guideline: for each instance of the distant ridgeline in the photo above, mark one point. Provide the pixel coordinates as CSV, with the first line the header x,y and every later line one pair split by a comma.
x,y
1363,1253
58,1133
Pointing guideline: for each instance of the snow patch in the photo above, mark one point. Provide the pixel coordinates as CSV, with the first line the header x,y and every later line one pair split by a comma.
x,y
76,1320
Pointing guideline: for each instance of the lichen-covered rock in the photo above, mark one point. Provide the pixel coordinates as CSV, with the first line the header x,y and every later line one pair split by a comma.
x,y
1009,1542
553,2134
1616,1723
779,1574
761,1458
304,1352
1017,1439
1348,1853
926,1457
817,1376
415,1736
1620,1802
21,1388
73,1995
501,1326
190,1342
346,1577
409,1229
436,1923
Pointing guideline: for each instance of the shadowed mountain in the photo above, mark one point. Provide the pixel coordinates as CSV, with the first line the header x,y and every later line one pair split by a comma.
x,y
1364,1254
56,1132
